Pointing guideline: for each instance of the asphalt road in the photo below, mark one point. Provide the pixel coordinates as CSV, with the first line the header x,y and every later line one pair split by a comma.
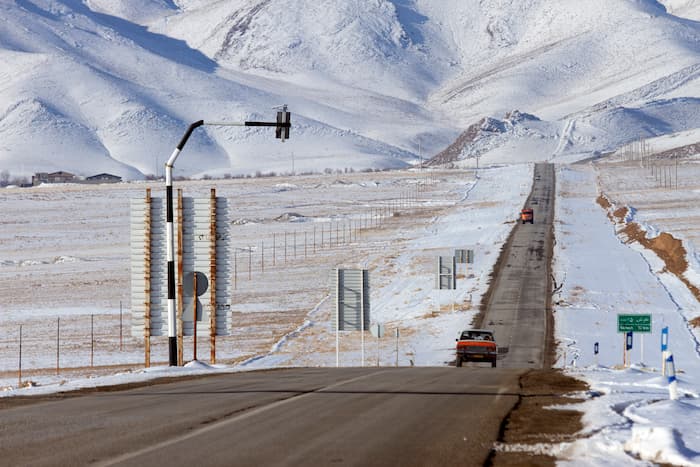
x,y
322,416
311,416
517,310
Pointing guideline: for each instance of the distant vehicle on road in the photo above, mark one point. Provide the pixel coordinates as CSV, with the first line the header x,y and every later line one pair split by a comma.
x,y
526,215
476,345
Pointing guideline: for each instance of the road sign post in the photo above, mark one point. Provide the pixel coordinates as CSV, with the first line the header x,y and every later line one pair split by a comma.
x,y
629,336
634,323
282,126
377,331
631,323
664,349
596,349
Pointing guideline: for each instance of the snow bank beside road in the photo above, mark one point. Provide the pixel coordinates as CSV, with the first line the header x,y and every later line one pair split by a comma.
x,y
628,415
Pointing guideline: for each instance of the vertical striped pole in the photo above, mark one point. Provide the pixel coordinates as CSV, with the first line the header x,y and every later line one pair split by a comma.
x,y
170,240
672,382
664,349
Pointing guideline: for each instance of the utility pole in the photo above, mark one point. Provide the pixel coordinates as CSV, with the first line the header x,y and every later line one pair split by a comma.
x,y
282,126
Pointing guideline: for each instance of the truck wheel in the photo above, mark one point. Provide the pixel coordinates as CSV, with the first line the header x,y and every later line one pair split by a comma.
x,y
458,362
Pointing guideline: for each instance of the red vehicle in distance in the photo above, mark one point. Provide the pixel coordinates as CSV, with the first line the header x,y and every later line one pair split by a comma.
x,y
526,215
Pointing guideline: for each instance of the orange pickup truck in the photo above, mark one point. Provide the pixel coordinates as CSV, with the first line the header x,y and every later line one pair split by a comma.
x,y
476,345
526,215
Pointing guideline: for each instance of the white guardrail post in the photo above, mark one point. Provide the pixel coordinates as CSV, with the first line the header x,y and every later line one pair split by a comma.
x,y
672,382
664,349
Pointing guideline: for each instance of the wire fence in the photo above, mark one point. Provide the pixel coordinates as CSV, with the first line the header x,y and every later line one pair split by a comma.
x,y
83,341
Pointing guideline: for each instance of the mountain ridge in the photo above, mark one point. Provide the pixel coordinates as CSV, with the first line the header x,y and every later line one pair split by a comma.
x,y
111,85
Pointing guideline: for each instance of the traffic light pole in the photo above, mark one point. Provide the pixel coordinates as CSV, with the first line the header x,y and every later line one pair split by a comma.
x,y
282,126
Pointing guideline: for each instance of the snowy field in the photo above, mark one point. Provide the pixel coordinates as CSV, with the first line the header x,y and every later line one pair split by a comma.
x,y
64,255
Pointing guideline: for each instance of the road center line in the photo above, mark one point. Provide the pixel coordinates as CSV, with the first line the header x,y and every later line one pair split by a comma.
x,y
227,421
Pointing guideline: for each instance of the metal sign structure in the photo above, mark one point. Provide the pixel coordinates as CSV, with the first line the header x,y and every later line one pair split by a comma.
x,y
446,277
464,256
351,298
207,253
282,126
203,247
634,323
350,295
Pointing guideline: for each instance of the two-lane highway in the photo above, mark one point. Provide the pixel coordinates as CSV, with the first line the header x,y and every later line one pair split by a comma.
x,y
518,305
352,416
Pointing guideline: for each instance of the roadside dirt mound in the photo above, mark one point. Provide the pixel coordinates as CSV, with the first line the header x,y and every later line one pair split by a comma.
x,y
603,202
620,214
538,420
665,246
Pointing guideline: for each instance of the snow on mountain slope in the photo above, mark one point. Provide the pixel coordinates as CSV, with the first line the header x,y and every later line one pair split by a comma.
x,y
571,64
564,56
137,11
359,43
684,8
369,82
135,92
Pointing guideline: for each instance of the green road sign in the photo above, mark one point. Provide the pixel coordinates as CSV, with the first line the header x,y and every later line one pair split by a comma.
x,y
634,323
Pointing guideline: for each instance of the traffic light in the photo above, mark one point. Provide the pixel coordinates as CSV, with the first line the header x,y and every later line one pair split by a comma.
x,y
283,124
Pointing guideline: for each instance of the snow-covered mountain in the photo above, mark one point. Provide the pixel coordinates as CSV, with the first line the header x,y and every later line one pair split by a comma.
x,y
111,85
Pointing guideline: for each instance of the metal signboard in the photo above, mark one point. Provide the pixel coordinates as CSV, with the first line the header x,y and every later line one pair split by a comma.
x,y
351,298
634,323
446,277
464,256
201,220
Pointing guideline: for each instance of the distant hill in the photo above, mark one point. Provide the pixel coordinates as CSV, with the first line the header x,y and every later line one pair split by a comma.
x,y
111,85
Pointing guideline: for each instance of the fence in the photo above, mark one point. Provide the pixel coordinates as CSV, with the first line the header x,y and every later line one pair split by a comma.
x,y
82,342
